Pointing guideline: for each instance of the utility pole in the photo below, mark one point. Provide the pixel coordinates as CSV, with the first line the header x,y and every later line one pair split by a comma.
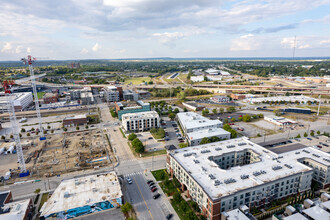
x,y
318,110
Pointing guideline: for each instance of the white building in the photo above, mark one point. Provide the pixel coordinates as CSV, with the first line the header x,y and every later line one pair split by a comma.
x,y
112,94
21,101
212,71
84,195
281,121
225,175
220,99
195,138
18,210
191,122
140,121
289,99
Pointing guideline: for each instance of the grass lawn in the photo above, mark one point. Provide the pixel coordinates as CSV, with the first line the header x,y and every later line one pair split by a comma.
x,y
137,81
44,198
183,213
158,174
40,94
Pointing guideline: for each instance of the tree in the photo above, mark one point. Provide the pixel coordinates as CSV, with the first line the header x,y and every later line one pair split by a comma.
x,y
246,118
3,137
177,197
77,128
52,131
215,139
181,95
23,130
231,109
318,132
32,129
240,118
11,136
176,111
298,136
171,116
131,136
312,133
136,142
45,131
139,148
48,127
205,140
185,109
37,191
233,119
183,145
305,135
214,111
65,129
277,112
222,110
86,126
127,207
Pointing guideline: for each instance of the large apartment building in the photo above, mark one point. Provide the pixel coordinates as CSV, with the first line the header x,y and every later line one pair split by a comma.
x,y
196,127
113,93
131,107
141,121
225,175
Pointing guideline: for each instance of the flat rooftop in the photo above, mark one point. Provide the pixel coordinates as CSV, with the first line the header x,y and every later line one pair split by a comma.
x,y
316,212
287,164
192,120
16,210
139,115
75,117
207,133
296,216
84,191
284,98
236,214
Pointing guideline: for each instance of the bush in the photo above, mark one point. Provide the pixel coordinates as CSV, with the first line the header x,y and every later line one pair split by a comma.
x,y
298,136
77,128
48,127
305,135
65,129
183,145
177,197
131,136
171,116
11,136
37,191
28,134
23,130
86,127
126,207
3,137
158,133
139,149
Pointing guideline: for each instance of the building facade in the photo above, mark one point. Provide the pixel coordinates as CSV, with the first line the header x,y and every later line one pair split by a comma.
x,y
112,94
141,121
237,96
75,120
21,101
130,95
50,98
225,175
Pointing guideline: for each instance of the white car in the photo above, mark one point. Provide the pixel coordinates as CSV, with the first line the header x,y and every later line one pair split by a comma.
x,y
129,180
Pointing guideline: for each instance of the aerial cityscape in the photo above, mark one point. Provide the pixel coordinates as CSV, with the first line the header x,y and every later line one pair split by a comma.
x,y
150,110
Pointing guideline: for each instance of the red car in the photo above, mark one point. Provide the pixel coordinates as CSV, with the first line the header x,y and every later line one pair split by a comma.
x,y
154,189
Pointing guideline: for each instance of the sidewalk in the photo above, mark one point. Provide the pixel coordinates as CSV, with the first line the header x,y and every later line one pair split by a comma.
x,y
166,199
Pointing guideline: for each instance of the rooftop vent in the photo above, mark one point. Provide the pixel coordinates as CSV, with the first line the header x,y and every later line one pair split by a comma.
x,y
297,152
288,166
316,155
230,180
66,194
217,182
196,161
187,154
244,176
326,159
211,177
278,167
306,151
230,146
218,148
205,151
241,144
257,173
204,169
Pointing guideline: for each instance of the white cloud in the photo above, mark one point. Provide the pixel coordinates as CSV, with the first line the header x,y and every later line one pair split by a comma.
x,y
305,46
18,49
7,47
84,51
245,42
28,50
325,41
96,47
288,42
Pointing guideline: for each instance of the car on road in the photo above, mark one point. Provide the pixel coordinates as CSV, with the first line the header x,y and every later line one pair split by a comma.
x,y
156,196
169,216
167,139
309,139
151,184
129,180
150,138
149,181
240,129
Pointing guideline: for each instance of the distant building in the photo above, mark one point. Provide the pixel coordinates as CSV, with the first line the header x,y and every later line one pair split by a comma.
x,y
113,94
130,95
289,99
141,121
195,138
316,79
21,101
73,65
75,120
297,110
281,121
193,106
237,96
18,210
131,107
212,71
82,196
220,99
50,98
142,94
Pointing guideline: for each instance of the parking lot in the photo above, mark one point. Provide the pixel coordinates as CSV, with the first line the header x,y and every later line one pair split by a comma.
x,y
171,137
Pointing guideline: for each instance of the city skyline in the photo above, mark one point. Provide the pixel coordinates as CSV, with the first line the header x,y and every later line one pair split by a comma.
x,y
145,29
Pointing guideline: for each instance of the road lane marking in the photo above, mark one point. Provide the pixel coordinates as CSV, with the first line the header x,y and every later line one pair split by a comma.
x,y
143,198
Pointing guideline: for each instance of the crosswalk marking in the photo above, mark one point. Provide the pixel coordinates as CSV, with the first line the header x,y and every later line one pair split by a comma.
x,y
133,174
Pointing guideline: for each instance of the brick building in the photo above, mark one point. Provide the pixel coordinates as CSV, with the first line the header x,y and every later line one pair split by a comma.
x,y
75,120
50,98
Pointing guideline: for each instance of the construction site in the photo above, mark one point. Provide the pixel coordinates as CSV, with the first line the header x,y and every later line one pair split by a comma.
x,y
61,153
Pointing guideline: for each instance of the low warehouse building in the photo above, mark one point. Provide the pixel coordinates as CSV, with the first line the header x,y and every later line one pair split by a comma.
x,y
84,195
281,121
75,120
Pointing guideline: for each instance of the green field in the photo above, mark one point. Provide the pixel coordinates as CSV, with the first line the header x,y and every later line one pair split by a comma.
x,y
40,94
137,81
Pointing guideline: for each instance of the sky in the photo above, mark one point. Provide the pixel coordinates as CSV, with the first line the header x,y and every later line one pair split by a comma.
x,y
112,29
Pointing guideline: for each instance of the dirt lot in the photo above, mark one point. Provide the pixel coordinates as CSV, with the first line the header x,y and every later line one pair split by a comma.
x,y
62,153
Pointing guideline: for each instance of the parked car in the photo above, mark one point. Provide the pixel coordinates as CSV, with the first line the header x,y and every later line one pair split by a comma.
x,y
154,189
309,139
151,184
150,138
169,216
129,180
150,181
156,196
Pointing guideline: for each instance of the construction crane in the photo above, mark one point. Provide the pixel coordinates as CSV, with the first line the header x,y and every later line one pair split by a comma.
x,y
29,60
7,84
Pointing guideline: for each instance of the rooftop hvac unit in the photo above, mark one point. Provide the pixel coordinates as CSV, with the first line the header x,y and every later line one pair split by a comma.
x,y
278,167
244,176
230,146
288,166
205,151
66,194
218,148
